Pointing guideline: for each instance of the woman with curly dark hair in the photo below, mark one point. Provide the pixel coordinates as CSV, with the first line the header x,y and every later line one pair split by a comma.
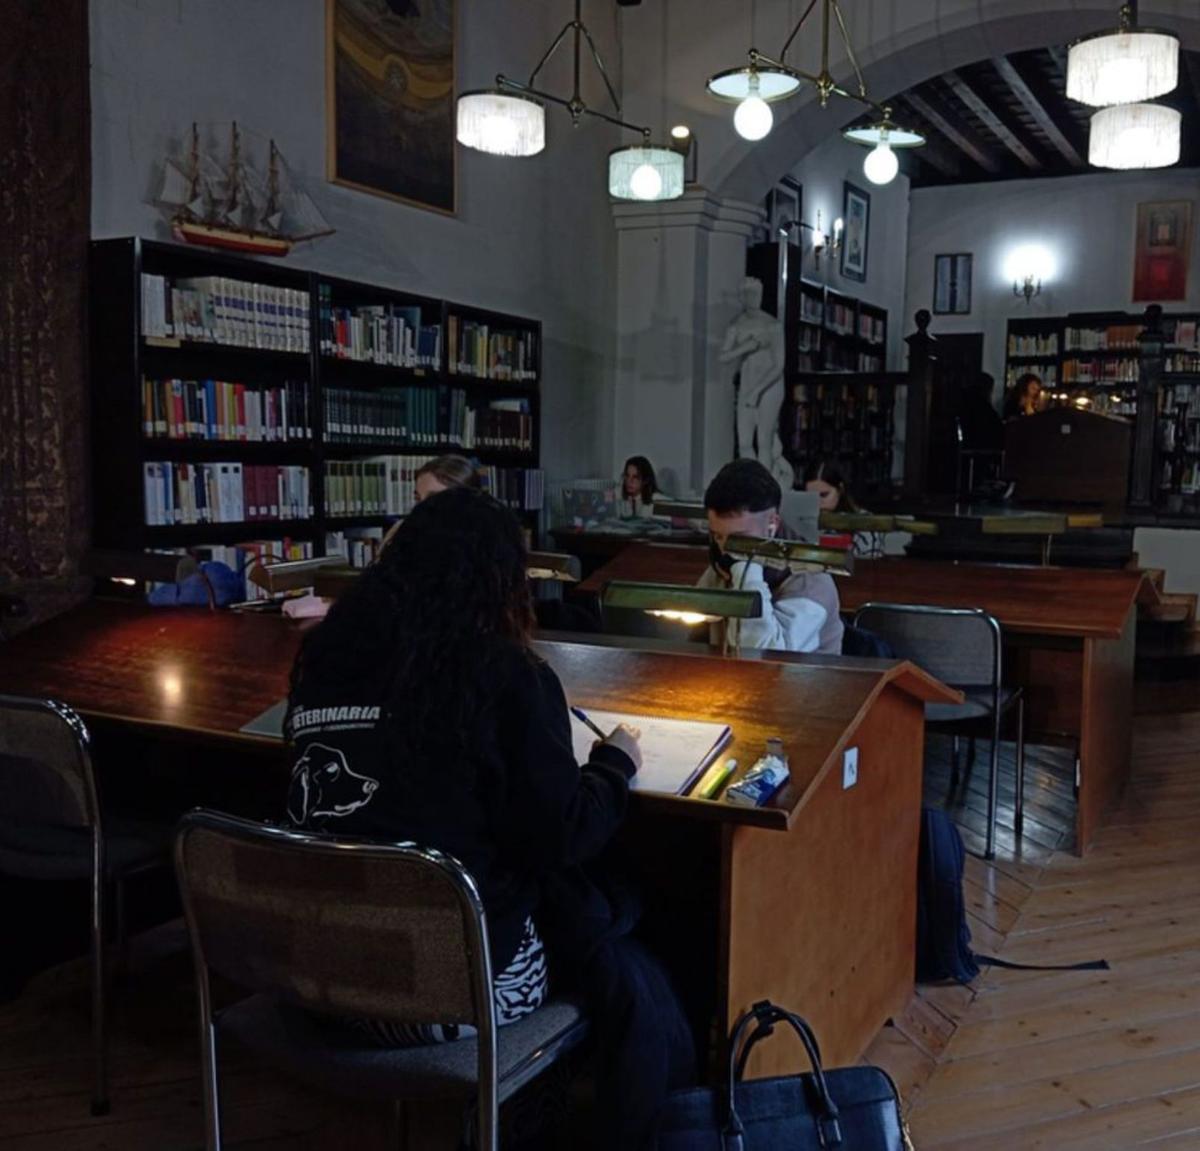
x,y
421,693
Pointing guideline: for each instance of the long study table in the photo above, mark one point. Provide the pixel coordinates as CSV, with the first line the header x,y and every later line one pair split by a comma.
x,y
809,901
1068,634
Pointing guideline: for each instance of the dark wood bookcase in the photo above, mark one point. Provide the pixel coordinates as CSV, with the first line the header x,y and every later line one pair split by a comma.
x,y
122,355
840,397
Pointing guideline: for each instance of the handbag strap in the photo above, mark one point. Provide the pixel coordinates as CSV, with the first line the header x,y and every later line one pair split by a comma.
x,y
764,1016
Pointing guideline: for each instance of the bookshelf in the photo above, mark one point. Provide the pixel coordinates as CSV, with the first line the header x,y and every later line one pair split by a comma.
x,y
241,407
840,398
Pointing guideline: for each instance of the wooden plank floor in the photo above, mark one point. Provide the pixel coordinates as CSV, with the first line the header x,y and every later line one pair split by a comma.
x,y
1088,1059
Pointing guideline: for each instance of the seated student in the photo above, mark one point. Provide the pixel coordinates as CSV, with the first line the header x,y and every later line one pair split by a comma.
x,y
1024,398
800,612
639,486
460,740
828,481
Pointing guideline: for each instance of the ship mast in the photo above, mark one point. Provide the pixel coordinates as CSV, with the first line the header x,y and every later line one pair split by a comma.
x,y
234,167
272,183
194,166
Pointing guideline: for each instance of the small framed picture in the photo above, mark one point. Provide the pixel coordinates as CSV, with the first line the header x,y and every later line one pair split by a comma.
x,y
783,207
856,216
952,284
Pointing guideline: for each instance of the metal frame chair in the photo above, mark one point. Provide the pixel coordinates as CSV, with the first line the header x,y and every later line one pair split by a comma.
x,y
412,901
45,742
950,668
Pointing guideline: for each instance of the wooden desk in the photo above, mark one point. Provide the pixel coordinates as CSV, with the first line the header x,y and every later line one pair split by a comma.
x,y
810,901
1069,640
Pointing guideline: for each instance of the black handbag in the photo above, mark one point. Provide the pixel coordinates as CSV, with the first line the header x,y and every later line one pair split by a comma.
x,y
853,1108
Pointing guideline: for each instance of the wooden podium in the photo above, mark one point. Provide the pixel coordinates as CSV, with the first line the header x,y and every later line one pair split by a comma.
x,y
1068,456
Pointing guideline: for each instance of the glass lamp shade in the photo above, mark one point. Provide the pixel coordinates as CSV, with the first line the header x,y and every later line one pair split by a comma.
x,y
875,134
1125,67
501,123
645,172
735,85
1134,136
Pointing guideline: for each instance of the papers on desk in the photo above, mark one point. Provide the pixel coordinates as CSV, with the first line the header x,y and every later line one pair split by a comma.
x,y
674,751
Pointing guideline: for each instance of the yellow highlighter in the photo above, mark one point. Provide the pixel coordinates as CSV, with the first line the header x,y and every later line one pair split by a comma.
x,y
715,778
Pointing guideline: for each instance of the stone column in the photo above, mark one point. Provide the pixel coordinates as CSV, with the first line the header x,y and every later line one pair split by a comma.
x,y
679,264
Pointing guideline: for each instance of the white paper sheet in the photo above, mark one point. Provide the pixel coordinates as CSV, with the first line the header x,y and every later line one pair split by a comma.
x,y
674,751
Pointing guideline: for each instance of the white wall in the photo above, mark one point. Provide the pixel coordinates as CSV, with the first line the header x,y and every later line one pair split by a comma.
x,y
822,175
534,237
1086,223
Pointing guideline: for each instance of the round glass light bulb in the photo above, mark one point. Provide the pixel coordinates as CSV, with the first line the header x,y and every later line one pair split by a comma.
x,y
753,118
881,164
645,183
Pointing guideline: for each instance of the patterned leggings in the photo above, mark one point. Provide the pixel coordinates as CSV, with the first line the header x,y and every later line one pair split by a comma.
x,y
520,988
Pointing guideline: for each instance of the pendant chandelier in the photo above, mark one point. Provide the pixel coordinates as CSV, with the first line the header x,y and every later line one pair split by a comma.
x,y
764,81
1117,72
510,120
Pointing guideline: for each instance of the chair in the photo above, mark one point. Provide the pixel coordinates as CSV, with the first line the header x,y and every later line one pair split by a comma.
x,y
51,828
860,642
962,648
352,929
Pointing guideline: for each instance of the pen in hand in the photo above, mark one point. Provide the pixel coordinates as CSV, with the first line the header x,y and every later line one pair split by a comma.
x,y
586,720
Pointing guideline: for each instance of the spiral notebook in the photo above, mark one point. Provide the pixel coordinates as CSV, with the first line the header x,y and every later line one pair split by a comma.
x,y
674,751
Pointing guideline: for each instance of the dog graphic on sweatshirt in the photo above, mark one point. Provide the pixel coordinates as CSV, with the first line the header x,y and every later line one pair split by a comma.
x,y
323,786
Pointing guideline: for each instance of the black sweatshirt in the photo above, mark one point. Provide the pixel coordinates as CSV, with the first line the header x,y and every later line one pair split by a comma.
x,y
523,810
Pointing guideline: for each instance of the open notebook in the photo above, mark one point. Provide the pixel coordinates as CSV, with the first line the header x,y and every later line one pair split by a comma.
x,y
674,751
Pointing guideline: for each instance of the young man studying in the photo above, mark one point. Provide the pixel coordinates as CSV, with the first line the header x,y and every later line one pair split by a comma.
x,y
800,612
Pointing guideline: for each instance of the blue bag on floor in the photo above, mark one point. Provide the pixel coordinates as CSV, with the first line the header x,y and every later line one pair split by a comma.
x,y
943,937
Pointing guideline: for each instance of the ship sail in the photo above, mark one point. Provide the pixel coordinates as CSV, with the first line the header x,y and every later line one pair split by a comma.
x,y
246,199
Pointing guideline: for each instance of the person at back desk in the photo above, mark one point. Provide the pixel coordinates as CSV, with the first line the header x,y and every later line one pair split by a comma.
x,y
800,612
418,710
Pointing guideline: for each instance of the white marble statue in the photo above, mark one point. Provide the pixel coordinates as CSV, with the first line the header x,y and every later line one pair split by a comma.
x,y
754,342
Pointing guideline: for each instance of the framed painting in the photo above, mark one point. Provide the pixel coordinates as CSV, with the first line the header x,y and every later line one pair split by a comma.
x,y
856,216
389,78
1161,250
783,207
952,284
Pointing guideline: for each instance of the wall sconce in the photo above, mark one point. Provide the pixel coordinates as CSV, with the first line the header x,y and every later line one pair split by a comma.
x,y
1028,288
1027,268
822,243
683,140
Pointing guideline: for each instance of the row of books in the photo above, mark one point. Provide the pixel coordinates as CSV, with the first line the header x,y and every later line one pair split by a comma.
x,y
390,334
386,485
1124,371
1182,362
1098,339
1040,344
478,349
812,311
839,317
222,310
1186,334
423,415
359,546
872,328
225,410
869,363
1047,373
223,493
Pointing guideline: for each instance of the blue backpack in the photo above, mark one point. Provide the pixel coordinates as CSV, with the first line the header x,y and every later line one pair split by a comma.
x,y
943,937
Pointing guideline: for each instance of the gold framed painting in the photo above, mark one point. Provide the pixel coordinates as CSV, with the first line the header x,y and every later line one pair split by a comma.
x,y
389,99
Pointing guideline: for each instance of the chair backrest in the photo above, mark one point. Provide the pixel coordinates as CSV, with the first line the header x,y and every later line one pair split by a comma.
x,y
959,646
45,764
345,927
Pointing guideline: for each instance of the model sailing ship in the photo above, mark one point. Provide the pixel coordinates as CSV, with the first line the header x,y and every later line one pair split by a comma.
x,y
235,206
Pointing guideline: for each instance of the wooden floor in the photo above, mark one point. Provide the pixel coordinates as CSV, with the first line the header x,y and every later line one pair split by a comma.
x,y
1076,1060
1019,1060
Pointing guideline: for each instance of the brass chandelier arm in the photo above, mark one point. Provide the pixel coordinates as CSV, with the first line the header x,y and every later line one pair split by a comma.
x,y
576,104
824,84
576,109
796,31
862,87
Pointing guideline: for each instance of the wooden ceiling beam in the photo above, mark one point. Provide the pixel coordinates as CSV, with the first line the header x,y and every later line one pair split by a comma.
x,y
957,134
1020,88
975,103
